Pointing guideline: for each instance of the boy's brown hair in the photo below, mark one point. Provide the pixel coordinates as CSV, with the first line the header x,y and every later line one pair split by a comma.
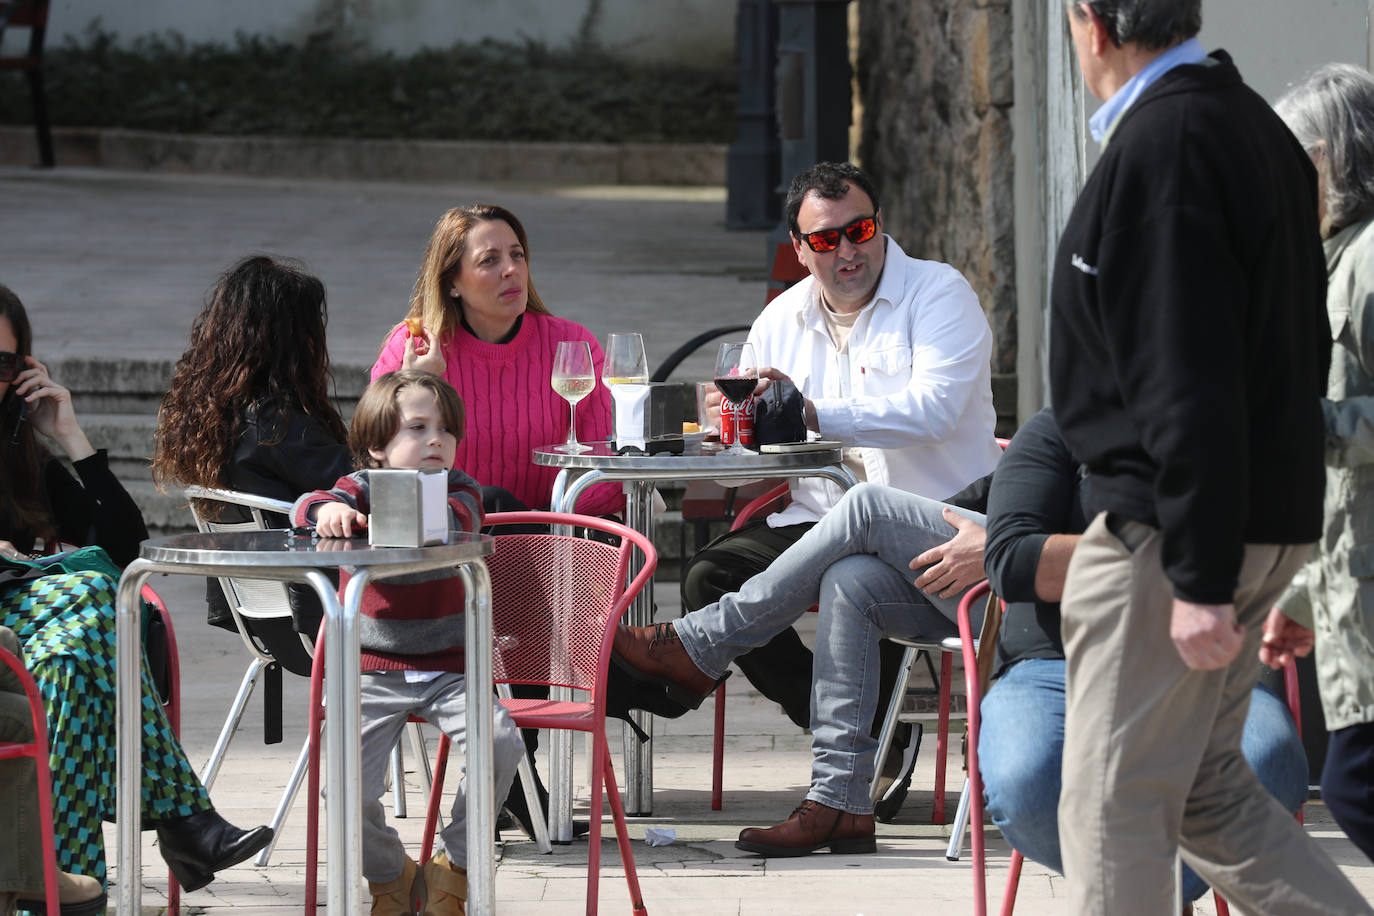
x,y
378,417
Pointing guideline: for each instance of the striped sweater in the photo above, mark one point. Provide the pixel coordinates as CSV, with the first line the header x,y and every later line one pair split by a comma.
x,y
412,622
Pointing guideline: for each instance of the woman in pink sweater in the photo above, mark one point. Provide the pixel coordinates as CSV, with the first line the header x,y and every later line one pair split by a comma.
x,y
476,320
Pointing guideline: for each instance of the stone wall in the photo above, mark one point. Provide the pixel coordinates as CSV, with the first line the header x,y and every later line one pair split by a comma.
x,y
935,85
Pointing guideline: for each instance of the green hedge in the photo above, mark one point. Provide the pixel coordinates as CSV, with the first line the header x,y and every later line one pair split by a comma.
x,y
487,91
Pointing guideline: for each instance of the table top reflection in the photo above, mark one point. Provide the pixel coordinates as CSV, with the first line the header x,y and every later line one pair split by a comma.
x,y
282,548
705,457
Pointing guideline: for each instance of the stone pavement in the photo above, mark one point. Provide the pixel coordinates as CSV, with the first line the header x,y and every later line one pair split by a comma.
x,y
767,767
113,265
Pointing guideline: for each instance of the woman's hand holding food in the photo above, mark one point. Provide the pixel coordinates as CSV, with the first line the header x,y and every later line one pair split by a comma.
x,y
420,351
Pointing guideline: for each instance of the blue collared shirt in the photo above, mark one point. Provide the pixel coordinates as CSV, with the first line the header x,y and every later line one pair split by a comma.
x,y
1102,122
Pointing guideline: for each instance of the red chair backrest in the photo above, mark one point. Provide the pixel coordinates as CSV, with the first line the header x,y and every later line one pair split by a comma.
x,y
557,598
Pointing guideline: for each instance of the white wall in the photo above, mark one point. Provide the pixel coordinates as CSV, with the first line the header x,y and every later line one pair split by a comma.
x,y
1275,42
701,31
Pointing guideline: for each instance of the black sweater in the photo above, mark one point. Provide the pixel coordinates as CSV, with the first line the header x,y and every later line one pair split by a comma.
x,y
1189,344
94,510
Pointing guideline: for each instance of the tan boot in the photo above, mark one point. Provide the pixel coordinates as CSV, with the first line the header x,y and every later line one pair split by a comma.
x,y
79,895
396,897
447,885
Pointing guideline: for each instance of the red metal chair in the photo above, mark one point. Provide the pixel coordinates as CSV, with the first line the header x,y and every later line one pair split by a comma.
x,y
37,750
556,601
1290,681
32,15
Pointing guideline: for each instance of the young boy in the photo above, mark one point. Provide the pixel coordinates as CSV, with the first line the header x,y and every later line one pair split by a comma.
x,y
412,634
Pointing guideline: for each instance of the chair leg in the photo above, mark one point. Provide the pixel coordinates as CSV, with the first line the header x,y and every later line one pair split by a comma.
x,y
601,757
1013,881
422,767
436,790
937,815
288,799
312,812
398,781
961,824
231,722
40,116
718,751
893,716
622,835
538,816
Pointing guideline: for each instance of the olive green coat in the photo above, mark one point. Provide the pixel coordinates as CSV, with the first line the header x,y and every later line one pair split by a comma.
x,y
1334,593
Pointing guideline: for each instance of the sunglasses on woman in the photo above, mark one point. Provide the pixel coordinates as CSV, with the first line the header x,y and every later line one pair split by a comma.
x,y
858,232
11,364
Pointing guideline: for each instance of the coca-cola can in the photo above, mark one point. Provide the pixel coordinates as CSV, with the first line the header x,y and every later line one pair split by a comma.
x,y
737,422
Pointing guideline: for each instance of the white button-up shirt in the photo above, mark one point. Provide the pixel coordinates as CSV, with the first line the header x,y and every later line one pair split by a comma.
x,y
919,387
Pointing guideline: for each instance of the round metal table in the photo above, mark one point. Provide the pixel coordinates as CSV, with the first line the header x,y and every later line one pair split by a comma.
x,y
281,556
639,473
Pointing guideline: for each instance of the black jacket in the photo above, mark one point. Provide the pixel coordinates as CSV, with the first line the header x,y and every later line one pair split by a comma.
x,y
1189,345
280,455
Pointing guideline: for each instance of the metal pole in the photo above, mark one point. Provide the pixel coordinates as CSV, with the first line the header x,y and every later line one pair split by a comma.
x,y
129,733
481,793
343,792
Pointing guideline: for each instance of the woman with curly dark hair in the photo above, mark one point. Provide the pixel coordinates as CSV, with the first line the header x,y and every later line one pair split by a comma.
x,y
249,407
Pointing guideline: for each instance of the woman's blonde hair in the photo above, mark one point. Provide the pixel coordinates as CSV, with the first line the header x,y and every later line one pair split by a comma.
x,y
430,302
378,416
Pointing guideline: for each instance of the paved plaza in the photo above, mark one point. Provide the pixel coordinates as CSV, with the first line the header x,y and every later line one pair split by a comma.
x,y
113,265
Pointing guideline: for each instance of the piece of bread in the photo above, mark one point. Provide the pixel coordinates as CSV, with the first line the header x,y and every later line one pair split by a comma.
x,y
414,327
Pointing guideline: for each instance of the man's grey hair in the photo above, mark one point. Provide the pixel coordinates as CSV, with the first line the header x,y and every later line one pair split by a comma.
x,y
1335,104
1151,24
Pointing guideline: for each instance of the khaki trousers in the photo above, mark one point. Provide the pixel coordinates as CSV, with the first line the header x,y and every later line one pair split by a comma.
x,y
1152,760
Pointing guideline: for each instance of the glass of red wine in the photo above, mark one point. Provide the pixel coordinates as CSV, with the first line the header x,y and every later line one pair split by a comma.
x,y
736,377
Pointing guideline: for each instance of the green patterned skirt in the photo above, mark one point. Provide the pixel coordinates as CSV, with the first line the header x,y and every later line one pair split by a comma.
x,y
66,626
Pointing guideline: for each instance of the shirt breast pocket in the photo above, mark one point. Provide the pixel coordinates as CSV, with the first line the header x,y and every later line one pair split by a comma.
x,y
887,370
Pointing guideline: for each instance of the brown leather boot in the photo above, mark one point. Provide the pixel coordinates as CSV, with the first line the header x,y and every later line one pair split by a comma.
x,y
655,654
812,826
447,885
396,897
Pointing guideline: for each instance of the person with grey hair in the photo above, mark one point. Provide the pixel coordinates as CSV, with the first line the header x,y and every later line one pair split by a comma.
x,y
1188,352
1331,113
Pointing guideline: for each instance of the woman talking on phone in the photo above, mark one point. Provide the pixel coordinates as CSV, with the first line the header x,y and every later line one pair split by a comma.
x,y
66,628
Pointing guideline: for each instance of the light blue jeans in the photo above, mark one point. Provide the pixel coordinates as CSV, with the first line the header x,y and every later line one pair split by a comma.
x,y
853,564
1021,745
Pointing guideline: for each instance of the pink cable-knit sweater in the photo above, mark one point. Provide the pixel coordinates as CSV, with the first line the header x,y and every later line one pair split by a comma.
x,y
512,409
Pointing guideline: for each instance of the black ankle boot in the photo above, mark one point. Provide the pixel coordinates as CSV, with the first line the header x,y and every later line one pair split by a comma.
x,y
197,846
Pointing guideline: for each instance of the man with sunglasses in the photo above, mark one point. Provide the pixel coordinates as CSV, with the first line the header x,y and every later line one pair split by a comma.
x,y
892,356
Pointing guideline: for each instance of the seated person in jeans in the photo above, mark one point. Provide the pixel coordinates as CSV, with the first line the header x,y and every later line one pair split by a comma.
x,y
1035,515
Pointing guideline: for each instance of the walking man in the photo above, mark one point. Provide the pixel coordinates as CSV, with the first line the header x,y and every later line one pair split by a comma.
x,y
1189,348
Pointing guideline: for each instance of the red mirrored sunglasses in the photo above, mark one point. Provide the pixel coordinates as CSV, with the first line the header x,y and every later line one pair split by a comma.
x,y
10,365
858,232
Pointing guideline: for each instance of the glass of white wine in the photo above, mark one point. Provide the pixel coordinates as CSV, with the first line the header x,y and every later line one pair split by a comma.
x,y
572,378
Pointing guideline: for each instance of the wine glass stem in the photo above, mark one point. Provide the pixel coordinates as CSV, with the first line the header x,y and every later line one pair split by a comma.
x,y
572,423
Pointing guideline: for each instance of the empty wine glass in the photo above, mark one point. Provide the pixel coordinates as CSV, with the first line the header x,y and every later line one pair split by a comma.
x,y
573,380
737,375
626,363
